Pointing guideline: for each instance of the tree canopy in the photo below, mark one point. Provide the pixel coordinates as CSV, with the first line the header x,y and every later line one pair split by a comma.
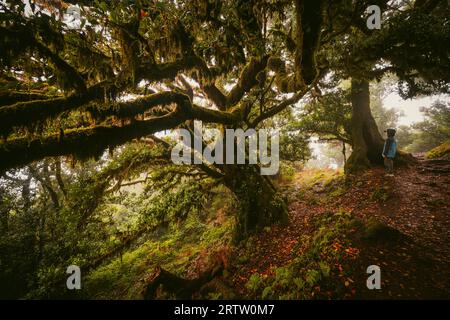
x,y
68,84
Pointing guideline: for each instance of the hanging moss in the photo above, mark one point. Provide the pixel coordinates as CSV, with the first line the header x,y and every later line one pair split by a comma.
x,y
129,47
18,40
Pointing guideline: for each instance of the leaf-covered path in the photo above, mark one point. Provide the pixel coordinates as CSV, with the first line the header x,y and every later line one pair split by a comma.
x,y
414,202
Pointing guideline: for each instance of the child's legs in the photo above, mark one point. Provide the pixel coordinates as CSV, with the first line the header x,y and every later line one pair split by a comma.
x,y
389,164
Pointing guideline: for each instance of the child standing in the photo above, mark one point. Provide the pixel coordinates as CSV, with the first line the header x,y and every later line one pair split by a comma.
x,y
389,150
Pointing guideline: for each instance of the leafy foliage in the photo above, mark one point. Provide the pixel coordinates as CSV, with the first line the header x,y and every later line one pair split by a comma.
x,y
431,132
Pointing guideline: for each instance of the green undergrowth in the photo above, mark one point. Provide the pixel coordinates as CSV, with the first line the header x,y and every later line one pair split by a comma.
x,y
182,249
319,268
125,277
320,186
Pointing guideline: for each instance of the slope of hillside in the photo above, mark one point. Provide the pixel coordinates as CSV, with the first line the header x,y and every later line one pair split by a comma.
x,y
338,227
400,223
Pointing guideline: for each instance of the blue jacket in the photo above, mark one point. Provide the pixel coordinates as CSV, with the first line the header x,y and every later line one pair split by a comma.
x,y
390,148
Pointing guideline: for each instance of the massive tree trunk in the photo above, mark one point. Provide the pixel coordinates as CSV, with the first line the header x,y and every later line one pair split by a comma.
x,y
260,204
367,142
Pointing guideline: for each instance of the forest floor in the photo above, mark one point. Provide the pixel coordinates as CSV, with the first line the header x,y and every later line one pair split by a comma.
x,y
414,202
338,226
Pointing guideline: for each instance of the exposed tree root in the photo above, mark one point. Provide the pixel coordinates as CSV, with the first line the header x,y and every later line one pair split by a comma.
x,y
176,286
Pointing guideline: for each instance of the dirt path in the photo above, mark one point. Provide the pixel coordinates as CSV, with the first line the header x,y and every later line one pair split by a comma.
x,y
418,206
415,202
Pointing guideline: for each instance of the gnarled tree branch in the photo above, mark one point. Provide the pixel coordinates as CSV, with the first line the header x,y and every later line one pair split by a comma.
x,y
88,142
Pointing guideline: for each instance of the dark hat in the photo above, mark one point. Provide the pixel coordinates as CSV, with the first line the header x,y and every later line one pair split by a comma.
x,y
390,132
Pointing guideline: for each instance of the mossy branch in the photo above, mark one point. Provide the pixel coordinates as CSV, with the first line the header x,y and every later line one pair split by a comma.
x,y
246,81
25,114
8,97
92,141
